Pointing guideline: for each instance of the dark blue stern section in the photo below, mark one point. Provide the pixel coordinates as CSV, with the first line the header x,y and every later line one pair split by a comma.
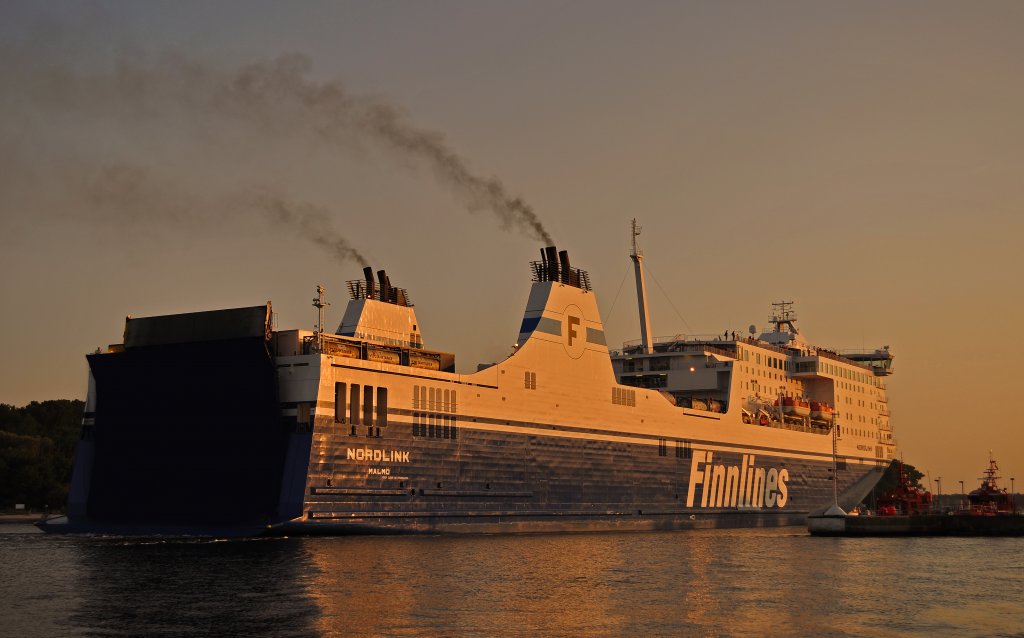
x,y
187,435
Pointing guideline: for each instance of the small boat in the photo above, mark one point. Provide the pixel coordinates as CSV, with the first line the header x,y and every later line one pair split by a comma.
x,y
822,412
990,499
792,406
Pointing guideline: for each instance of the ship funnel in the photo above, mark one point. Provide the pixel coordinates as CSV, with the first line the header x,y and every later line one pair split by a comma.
x,y
380,312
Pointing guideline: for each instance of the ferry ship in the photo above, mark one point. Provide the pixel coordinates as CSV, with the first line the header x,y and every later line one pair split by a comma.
x,y
218,423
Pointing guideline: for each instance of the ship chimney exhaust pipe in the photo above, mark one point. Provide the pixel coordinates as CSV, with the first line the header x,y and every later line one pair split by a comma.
x,y
368,273
646,339
563,261
552,262
385,286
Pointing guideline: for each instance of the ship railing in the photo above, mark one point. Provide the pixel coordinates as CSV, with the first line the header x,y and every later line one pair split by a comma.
x,y
835,356
331,343
874,353
681,337
767,346
669,347
548,271
752,341
358,289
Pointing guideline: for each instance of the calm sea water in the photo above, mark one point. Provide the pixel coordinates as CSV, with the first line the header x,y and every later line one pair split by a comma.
x,y
777,582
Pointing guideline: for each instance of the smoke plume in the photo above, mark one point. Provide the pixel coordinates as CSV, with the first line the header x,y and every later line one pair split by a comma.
x,y
312,223
171,139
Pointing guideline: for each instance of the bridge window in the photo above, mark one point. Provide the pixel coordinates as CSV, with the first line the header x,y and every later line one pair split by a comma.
x,y
658,364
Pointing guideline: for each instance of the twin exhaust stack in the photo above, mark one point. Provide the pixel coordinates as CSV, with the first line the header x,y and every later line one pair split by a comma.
x,y
382,290
554,266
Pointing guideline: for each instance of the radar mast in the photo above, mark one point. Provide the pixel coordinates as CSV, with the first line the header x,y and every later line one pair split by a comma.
x,y
641,292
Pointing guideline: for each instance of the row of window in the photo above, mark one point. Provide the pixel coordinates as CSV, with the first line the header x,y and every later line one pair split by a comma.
x,y
437,420
530,380
857,432
774,362
654,364
435,426
355,405
647,381
622,396
683,450
435,399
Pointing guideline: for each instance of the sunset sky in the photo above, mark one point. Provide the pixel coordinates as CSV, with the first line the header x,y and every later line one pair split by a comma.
x,y
863,159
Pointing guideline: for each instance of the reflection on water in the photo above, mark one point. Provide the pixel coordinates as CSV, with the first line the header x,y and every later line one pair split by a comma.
x,y
715,583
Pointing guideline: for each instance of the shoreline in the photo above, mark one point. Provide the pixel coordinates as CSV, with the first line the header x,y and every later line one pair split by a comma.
x,y
22,519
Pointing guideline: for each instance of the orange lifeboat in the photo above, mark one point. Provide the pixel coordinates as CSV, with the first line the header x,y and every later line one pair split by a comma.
x,y
822,411
792,406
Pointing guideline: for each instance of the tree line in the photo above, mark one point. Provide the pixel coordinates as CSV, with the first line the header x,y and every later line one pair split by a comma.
x,y
37,445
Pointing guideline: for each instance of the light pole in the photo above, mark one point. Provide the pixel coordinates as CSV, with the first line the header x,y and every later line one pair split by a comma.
x,y
961,495
938,493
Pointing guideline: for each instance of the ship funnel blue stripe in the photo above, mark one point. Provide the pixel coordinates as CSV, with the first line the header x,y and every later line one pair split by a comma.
x,y
529,324
596,336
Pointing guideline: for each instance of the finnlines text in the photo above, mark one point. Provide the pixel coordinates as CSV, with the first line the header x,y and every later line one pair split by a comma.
x,y
366,454
740,485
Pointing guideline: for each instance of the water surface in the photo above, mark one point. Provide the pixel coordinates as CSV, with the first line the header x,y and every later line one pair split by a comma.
x,y
702,583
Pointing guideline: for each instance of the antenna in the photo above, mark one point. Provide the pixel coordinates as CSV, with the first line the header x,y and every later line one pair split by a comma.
x,y
320,304
636,233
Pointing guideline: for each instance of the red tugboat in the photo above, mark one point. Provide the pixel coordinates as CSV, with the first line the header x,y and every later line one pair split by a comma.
x,y
990,499
904,499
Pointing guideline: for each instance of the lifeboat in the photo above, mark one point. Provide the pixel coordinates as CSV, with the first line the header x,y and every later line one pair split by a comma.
x,y
792,406
821,411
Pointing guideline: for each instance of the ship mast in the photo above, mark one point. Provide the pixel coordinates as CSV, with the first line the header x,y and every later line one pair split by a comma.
x,y
641,293
835,463
320,304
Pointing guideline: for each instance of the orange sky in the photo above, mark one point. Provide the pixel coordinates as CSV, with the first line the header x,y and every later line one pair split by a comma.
x,y
862,159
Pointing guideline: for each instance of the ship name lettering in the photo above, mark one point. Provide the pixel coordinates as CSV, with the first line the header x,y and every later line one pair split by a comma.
x,y
380,456
742,485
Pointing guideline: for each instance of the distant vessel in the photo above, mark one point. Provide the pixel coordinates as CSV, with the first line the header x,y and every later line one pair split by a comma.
x,y
990,499
907,510
217,423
